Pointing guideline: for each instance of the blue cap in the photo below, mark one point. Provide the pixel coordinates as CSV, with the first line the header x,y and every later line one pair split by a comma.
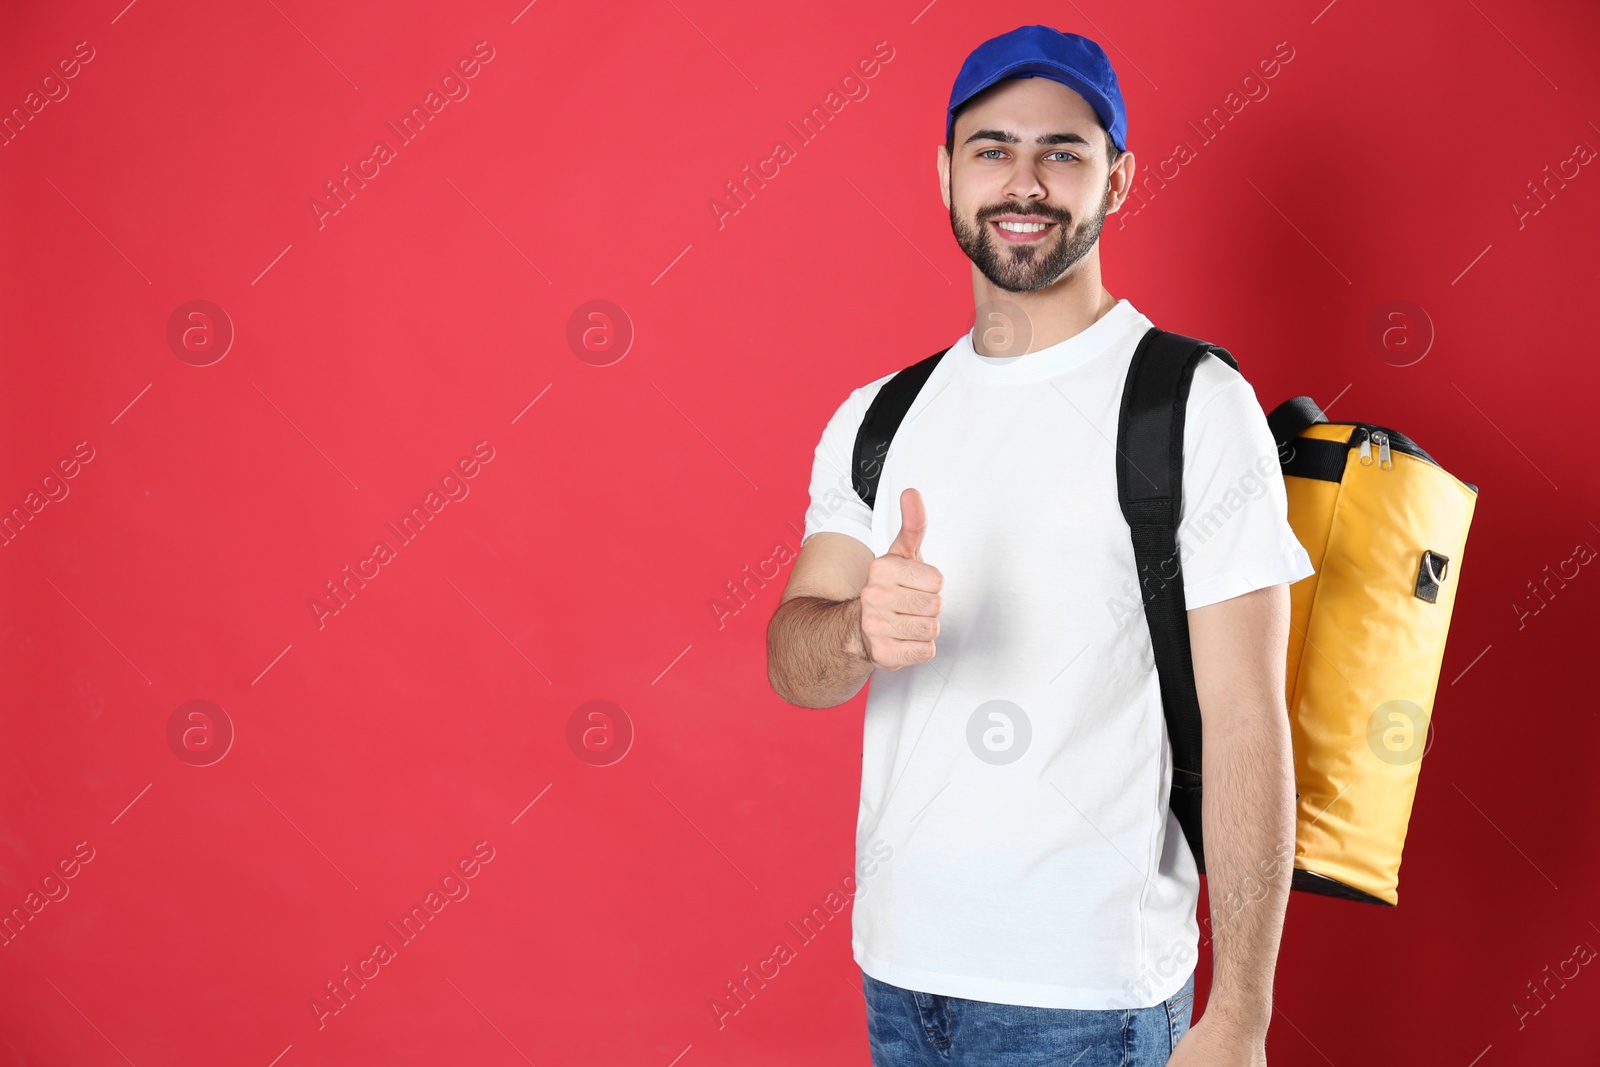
x,y
1042,52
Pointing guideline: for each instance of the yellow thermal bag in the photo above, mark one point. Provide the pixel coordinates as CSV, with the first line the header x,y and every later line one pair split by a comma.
x,y
1386,527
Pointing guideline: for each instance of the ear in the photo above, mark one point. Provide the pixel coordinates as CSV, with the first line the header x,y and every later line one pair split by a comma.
x,y
943,163
1121,181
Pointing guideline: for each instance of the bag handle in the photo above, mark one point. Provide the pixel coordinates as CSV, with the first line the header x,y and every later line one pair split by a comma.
x,y
1292,416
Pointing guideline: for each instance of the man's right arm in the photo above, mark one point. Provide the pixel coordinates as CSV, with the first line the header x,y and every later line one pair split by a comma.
x,y
815,652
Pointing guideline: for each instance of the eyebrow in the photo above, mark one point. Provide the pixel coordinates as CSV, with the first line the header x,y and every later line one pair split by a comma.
x,y
1007,137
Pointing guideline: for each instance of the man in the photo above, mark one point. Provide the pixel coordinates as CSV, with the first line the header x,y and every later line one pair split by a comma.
x,y
1024,894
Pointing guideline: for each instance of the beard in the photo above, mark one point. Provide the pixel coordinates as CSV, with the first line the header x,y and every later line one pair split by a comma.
x,y
1024,268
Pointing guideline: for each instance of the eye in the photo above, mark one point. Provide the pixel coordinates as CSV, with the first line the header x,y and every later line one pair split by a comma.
x,y
1058,152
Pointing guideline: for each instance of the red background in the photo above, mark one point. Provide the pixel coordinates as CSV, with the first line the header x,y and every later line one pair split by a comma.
x,y
372,352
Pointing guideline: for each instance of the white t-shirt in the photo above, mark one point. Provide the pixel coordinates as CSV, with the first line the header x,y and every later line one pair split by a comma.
x,y
1022,852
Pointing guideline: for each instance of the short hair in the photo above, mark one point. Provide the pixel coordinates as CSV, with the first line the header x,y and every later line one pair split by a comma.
x,y
1112,151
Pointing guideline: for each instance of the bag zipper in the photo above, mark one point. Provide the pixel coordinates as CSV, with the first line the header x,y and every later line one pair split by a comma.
x,y
1386,439
1384,462
1365,434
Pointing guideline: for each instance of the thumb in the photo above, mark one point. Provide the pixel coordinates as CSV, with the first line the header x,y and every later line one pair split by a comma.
x,y
913,524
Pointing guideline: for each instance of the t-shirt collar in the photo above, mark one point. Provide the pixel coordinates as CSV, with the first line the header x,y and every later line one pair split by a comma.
x,y
1047,362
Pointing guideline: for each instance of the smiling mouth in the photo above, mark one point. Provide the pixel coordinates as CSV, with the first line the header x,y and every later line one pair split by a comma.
x,y
1023,232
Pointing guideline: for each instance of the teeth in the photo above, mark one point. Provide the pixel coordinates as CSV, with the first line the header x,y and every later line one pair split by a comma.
x,y
1024,227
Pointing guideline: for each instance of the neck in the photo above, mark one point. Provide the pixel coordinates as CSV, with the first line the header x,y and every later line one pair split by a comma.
x,y
1048,316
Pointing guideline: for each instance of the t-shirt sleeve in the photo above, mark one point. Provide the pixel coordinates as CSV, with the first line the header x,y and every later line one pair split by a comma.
x,y
835,505
1234,535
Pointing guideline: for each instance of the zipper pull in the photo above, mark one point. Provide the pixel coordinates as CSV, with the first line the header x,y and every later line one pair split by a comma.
x,y
1366,449
1383,450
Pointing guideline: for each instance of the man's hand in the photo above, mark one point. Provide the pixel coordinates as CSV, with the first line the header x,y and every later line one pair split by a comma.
x,y
900,602
1217,1041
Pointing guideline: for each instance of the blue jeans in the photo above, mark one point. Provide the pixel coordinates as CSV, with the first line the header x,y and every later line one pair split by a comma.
x,y
910,1029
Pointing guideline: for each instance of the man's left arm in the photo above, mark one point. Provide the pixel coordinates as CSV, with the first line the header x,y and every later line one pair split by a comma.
x,y
1239,647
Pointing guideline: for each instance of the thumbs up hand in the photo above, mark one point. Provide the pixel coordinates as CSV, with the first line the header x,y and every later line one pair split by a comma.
x,y
900,602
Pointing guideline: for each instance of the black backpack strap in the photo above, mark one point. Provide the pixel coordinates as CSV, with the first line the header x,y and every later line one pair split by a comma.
x,y
1291,417
1150,489
883,418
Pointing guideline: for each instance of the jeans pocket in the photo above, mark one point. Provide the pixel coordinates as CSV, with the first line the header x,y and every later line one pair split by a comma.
x,y
1179,1008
